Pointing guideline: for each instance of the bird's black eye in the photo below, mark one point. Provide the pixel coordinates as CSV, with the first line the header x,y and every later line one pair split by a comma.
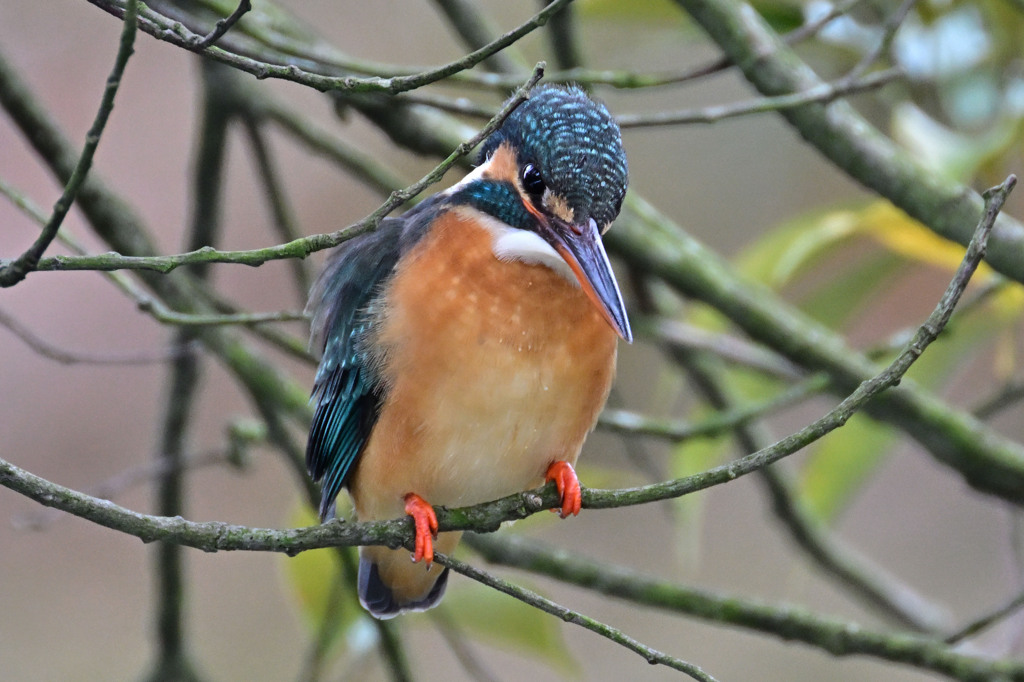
x,y
533,183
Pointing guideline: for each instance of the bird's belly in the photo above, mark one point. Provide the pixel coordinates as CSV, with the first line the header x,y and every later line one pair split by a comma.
x,y
485,425
499,436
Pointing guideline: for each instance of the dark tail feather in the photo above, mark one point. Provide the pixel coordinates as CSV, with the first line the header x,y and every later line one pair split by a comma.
x,y
379,600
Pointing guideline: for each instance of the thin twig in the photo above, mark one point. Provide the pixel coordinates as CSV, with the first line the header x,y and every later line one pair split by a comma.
x,y
822,94
526,596
811,28
678,430
163,28
66,357
461,106
126,480
13,272
892,24
1008,395
224,25
986,621
675,334
299,248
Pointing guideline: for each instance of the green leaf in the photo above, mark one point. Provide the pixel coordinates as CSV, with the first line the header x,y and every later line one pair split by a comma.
x,y
507,623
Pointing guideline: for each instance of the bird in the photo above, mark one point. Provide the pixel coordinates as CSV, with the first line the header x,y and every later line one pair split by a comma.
x,y
468,345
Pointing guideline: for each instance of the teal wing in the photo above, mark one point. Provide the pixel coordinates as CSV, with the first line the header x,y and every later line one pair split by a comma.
x,y
346,394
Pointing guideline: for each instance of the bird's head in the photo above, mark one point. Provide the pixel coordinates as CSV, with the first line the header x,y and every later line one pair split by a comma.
x,y
554,176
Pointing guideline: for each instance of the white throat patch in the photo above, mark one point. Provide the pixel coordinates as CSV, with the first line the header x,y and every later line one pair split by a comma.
x,y
524,246
530,248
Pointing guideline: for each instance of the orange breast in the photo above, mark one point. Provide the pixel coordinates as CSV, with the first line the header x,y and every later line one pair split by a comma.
x,y
494,370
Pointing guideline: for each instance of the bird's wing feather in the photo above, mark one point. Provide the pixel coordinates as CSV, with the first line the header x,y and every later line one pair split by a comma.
x,y
345,392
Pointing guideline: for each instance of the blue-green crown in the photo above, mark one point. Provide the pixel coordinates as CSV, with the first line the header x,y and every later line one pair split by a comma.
x,y
575,144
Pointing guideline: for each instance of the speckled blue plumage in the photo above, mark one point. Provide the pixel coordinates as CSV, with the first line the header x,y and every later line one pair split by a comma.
x,y
575,143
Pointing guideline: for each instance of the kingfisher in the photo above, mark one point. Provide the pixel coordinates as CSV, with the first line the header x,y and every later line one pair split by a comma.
x,y
469,345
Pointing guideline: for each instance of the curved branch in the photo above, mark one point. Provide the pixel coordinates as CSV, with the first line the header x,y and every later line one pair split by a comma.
x,y
987,461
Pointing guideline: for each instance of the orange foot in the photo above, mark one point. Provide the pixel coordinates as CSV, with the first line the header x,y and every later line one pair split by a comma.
x,y
425,520
568,486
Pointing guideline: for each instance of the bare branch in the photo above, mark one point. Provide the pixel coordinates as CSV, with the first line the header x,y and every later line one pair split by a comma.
x,y
224,25
13,272
526,596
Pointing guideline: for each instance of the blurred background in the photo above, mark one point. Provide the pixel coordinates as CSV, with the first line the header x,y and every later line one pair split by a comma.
x,y
76,600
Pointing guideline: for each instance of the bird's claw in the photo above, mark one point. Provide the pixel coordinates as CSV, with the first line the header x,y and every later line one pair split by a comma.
x,y
568,486
425,521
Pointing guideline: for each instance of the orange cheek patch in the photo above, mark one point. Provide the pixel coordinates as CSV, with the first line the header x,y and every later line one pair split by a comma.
x,y
503,166
559,207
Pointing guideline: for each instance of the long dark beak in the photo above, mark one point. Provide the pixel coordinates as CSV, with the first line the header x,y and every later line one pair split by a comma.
x,y
583,251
